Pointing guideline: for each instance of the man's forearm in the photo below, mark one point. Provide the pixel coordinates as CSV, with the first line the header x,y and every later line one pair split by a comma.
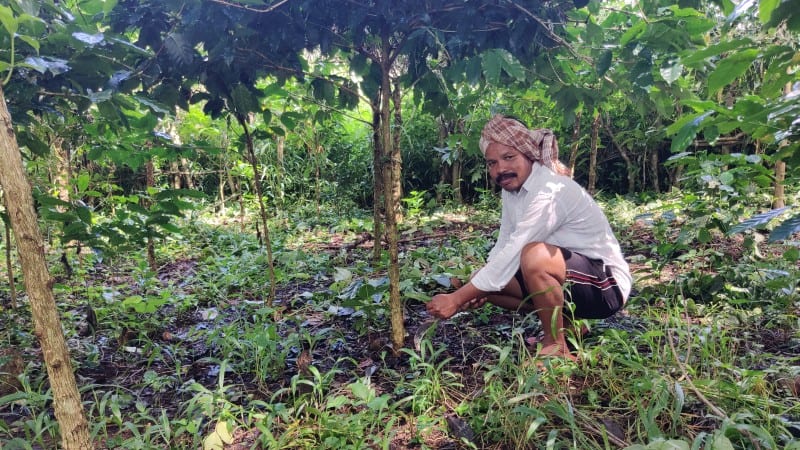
x,y
466,293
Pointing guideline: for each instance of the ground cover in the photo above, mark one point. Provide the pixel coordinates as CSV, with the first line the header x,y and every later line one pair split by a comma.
x,y
705,355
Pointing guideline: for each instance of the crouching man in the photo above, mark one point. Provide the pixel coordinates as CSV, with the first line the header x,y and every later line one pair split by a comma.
x,y
556,254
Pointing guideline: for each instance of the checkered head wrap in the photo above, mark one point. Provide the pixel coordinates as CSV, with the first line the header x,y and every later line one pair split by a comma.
x,y
537,144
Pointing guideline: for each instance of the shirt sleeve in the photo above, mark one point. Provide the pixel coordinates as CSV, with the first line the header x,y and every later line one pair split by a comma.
x,y
540,218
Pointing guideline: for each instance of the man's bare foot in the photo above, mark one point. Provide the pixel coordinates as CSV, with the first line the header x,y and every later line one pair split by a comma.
x,y
556,351
551,351
533,341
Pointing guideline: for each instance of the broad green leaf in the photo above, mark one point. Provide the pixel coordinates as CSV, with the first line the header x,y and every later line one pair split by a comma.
x,y
694,57
757,220
91,39
786,229
290,120
243,100
33,42
731,68
671,71
361,391
686,130
604,62
8,21
218,438
342,274
721,442
43,64
765,9
492,64
633,33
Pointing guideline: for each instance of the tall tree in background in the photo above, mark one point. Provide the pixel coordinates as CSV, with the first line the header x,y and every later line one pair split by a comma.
x,y
39,287
390,46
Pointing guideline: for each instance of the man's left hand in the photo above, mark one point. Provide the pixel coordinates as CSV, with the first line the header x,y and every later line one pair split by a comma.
x,y
443,306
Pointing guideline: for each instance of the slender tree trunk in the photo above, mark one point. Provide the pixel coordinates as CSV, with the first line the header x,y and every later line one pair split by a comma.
x,y
654,170
377,181
592,182
624,154
576,141
221,188
779,198
150,182
455,176
262,209
12,285
391,170
457,165
444,173
62,181
397,156
186,173
280,148
63,175
39,286
175,175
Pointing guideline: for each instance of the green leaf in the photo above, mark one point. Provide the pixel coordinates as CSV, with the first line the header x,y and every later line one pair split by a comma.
x,y
604,62
244,101
765,9
7,19
731,68
757,220
694,57
492,64
671,71
786,229
688,131
33,42
721,442
633,32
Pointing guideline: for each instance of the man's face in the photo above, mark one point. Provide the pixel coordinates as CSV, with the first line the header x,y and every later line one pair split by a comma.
x,y
507,166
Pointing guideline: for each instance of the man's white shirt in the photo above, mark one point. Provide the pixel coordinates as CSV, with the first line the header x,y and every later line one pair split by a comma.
x,y
556,210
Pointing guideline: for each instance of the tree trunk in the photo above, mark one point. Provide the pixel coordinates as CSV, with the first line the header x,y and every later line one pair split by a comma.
x,y
175,175
455,176
150,182
12,285
39,286
458,166
186,173
444,172
377,182
592,183
221,188
397,156
654,170
624,154
779,199
391,164
576,142
261,207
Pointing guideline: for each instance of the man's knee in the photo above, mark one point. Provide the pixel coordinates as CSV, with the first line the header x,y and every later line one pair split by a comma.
x,y
539,258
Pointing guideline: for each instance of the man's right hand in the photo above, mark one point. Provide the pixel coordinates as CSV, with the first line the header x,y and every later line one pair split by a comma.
x,y
443,306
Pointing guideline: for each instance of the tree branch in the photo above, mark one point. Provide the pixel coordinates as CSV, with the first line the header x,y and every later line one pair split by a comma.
x,y
249,8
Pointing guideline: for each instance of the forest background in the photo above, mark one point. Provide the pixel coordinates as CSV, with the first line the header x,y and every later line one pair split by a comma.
x,y
228,216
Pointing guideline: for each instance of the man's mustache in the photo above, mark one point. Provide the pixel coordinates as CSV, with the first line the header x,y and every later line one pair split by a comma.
x,y
499,179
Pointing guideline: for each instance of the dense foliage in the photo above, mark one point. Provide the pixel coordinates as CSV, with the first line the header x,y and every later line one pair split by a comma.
x,y
170,143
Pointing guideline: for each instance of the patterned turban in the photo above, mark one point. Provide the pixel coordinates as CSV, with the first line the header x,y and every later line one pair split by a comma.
x,y
537,145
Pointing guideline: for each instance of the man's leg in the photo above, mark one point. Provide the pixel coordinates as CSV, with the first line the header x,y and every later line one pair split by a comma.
x,y
544,271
